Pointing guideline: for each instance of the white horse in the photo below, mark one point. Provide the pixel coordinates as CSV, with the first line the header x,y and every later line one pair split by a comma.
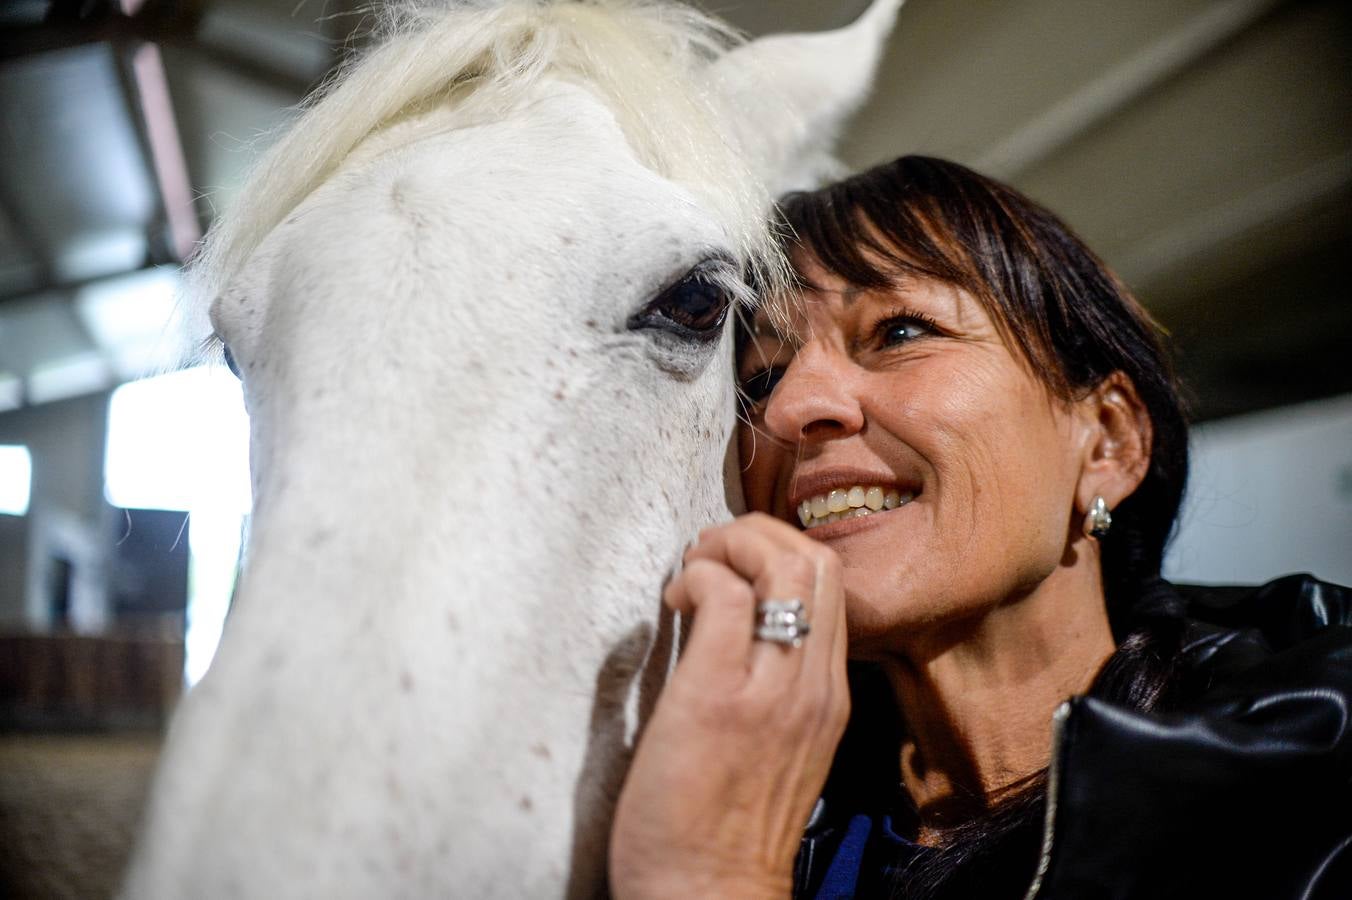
x,y
478,296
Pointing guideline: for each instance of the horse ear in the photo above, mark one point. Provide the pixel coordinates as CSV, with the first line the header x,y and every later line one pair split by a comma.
x,y
792,93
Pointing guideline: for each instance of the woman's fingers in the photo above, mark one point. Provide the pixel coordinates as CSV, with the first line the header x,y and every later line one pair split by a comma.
x,y
828,646
723,603
739,744
751,544
782,563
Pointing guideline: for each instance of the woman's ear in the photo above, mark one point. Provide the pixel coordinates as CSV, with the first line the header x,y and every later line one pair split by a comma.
x,y
1117,452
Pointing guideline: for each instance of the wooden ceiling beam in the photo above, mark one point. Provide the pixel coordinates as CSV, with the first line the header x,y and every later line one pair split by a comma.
x,y
1106,95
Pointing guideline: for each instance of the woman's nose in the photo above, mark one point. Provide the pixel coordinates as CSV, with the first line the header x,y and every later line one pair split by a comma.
x,y
814,400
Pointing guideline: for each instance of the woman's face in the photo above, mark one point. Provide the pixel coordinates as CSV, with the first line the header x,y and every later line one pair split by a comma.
x,y
910,392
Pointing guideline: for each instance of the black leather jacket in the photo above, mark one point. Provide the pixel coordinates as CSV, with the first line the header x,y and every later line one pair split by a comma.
x,y
1244,790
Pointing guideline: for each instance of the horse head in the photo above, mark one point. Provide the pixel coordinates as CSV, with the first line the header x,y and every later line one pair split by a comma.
x,y
479,296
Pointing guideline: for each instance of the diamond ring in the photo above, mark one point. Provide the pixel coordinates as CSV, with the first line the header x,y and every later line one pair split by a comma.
x,y
782,622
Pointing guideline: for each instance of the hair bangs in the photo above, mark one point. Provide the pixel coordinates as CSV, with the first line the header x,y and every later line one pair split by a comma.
x,y
892,223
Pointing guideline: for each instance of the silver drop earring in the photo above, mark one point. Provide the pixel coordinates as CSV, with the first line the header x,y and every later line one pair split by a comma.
x,y
1098,520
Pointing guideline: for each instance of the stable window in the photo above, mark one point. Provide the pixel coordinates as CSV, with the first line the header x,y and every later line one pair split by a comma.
x,y
16,479
180,441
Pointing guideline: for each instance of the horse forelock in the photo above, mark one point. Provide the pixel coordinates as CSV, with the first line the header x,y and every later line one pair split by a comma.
x,y
645,59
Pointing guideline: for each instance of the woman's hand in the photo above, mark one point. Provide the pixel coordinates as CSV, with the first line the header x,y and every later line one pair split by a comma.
x,y
740,742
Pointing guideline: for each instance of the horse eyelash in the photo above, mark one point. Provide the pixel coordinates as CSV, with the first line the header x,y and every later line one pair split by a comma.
x,y
210,347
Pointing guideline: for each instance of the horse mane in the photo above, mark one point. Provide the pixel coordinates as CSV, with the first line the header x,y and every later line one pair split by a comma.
x,y
643,58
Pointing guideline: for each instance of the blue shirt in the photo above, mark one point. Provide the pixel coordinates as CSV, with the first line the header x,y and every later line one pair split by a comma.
x,y
859,858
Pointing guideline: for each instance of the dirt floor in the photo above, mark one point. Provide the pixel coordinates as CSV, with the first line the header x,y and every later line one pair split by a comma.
x,y
68,811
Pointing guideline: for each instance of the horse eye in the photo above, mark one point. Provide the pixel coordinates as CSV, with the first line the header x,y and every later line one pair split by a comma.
x,y
693,308
230,361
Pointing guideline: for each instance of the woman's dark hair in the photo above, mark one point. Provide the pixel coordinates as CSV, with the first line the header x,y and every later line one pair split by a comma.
x,y
1076,324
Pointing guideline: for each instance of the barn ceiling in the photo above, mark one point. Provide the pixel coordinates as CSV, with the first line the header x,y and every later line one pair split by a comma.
x,y
1203,147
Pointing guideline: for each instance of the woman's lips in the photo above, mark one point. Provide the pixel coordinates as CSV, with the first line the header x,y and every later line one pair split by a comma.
x,y
824,496
855,501
827,531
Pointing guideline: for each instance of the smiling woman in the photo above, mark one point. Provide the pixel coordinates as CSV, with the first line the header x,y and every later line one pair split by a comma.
x,y
965,450
971,330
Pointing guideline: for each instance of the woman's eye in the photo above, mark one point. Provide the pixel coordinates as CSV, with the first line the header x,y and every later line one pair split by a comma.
x,y
901,330
758,386
694,308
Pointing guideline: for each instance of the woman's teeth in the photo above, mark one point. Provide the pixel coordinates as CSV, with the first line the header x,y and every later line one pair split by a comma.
x,y
847,503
